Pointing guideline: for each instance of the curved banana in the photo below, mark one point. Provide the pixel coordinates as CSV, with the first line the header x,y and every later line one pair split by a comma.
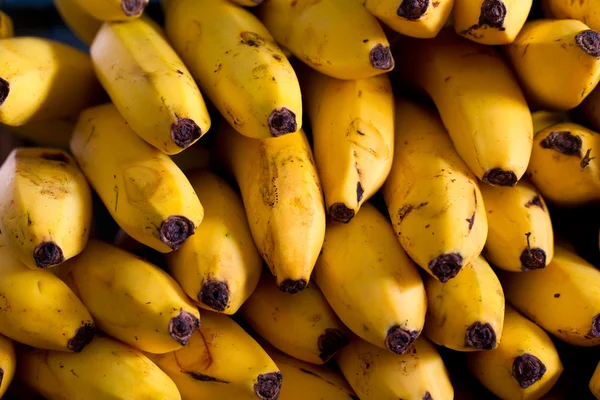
x,y
113,10
479,100
432,198
594,383
238,66
339,38
247,3
524,366
149,84
105,370
82,24
376,374
491,22
42,79
142,188
544,119
563,298
8,362
219,267
6,26
557,62
582,10
194,157
353,137
303,326
467,313
370,282
564,164
283,201
54,133
221,361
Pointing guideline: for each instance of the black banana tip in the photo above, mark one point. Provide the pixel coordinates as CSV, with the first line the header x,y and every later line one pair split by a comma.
x,y
83,336
175,231
331,342
133,7
480,336
184,132
533,259
48,254
183,326
268,386
412,10
293,286
4,90
381,57
493,13
589,42
340,213
446,266
564,142
500,177
282,121
596,326
215,295
399,340
527,370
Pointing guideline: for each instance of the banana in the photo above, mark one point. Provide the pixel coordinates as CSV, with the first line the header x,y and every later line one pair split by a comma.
x,y
38,309
45,206
219,267
237,64
46,133
339,38
590,108
42,79
247,3
563,298
491,22
105,370
149,84
377,374
582,10
221,361
6,26
525,365
194,157
544,119
353,136
479,100
82,24
112,10
467,313
303,326
142,188
8,361
283,201
370,282
433,199
594,383
564,164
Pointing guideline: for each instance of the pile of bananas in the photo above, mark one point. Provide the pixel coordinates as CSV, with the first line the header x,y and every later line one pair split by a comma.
x,y
131,266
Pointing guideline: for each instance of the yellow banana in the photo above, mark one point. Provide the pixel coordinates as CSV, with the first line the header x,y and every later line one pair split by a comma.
x,y
467,313
582,10
105,370
591,108
142,188
353,136
479,101
564,164
491,22
370,282
194,157
47,133
237,64
376,374
82,24
38,309
42,79
544,119
525,365
283,201
339,38
219,267
247,3
221,361
563,298
432,198
594,383
303,326
8,361
6,26
113,10
149,84
45,206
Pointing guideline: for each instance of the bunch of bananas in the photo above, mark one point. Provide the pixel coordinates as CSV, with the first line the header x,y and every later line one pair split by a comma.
x,y
370,218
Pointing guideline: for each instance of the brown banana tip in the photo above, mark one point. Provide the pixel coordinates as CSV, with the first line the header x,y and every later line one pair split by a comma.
x,y
282,121
4,90
500,177
596,326
183,326
381,57
480,336
563,142
331,342
527,370
446,266
533,259
184,132
268,386
215,295
133,7
293,286
492,13
427,396
175,231
399,340
412,10
48,254
340,213
82,338
589,42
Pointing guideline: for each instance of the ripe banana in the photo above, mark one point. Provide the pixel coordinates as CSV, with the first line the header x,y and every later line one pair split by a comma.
x,y
113,10
247,3
525,365
8,361
594,383
149,84
303,326
219,267
45,206
491,22
564,164
283,201
237,64
377,374
591,108
544,119
370,282
83,25
142,188
432,198
479,101
353,136
42,79
339,38
221,361
194,157
467,313
563,298
582,10
105,369
38,309
6,26
46,133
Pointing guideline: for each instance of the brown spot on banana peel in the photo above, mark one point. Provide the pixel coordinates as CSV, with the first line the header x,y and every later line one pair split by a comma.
x,y
595,331
282,121
205,378
214,294
183,326
48,254
532,258
381,57
407,209
399,340
586,160
412,10
589,42
527,370
535,202
340,213
493,13
446,266
268,386
331,342
4,90
133,7
500,177
176,230
184,132
293,286
471,221
564,142
83,336
252,39
480,336
359,191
